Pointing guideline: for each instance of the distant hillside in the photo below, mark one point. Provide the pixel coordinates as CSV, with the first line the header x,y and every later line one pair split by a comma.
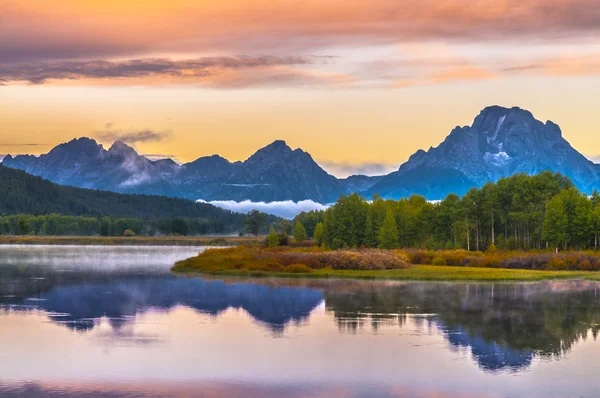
x,y
24,193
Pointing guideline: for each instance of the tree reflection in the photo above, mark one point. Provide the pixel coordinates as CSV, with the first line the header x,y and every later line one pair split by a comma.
x,y
504,325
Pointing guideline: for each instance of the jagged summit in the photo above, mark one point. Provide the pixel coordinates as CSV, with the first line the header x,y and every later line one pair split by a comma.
x,y
120,148
275,172
500,141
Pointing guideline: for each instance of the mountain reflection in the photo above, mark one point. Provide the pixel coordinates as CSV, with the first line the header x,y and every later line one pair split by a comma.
x,y
78,300
503,326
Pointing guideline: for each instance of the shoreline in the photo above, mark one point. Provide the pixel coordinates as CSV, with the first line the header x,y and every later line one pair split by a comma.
x,y
311,263
224,241
416,273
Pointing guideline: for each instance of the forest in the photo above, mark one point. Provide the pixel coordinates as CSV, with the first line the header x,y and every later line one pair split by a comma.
x,y
60,225
30,205
543,211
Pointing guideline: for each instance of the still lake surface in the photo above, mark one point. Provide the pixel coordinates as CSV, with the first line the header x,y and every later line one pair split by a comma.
x,y
113,321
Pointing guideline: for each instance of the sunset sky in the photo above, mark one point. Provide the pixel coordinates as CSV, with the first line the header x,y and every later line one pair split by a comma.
x,y
360,85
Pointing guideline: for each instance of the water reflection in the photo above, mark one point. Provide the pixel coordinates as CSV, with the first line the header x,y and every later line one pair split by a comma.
x,y
504,325
342,331
80,301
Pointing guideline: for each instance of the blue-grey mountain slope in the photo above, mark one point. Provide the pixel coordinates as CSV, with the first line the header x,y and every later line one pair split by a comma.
x,y
499,143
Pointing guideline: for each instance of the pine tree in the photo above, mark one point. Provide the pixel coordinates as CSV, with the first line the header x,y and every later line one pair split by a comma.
x,y
299,232
370,234
555,222
272,238
388,234
318,234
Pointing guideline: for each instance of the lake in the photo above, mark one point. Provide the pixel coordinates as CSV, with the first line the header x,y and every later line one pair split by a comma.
x,y
113,321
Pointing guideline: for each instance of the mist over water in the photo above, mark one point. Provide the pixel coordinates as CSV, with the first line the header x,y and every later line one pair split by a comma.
x,y
113,321
104,258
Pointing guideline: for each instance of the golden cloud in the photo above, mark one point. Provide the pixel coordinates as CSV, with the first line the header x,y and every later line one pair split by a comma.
x,y
74,29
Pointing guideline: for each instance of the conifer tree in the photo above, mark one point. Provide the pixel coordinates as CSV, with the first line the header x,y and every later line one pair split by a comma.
x,y
272,238
388,234
370,234
299,232
318,234
555,222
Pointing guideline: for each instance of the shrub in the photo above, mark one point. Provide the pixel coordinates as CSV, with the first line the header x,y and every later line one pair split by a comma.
x,y
297,268
272,239
556,264
438,261
283,239
128,232
420,256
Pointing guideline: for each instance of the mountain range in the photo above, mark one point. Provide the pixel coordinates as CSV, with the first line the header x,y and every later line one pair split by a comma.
x,y
500,142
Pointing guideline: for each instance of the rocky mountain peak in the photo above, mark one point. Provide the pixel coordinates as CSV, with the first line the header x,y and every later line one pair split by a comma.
x,y
271,153
500,142
78,146
278,146
121,148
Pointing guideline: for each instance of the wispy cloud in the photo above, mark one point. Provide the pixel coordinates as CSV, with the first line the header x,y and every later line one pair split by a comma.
x,y
210,71
133,137
593,158
19,144
346,169
157,156
419,71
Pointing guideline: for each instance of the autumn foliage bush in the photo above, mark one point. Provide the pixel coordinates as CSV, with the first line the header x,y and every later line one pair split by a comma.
x,y
294,260
260,260
532,260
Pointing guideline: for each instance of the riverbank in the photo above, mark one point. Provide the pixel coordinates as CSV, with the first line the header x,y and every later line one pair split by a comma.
x,y
130,241
369,264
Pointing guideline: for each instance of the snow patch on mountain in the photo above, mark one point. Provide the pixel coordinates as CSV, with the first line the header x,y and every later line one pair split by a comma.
x,y
501,120
499,159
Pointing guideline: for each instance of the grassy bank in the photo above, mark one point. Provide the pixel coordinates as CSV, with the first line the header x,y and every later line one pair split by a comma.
x,y
129,241
363,264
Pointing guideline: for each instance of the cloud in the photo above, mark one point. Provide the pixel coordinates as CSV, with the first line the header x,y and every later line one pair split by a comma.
x,y
133,137
345,169
594,158
159,156
86,29
20,144
226,72
286,209
2,156
431,71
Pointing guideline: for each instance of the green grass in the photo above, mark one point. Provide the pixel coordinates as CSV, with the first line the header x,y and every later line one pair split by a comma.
x,y
418,273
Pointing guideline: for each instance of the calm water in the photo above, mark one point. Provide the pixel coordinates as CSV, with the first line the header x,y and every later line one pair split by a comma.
x,y
112,321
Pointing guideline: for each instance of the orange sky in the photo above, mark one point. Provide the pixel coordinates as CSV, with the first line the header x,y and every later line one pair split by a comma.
x,y
360,86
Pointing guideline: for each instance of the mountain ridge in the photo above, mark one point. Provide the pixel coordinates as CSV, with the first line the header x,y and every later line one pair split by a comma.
x,y
499,142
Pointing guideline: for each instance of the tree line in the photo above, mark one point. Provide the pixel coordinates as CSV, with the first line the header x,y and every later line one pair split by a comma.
x,y
60,225
518,212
